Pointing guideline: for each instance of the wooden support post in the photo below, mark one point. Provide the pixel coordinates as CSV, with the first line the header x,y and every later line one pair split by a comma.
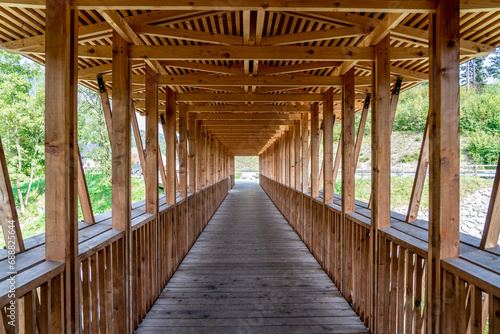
x,y
291,154
361,128
348,149
286,142
314,150
305,154
381,170
297,155
204,149
418,182
61,210
121,152
211,163
106,106
328,122
168,122
138,140
83,191
199,155
8,213
192,138
492,226
183,150
151,170
444,152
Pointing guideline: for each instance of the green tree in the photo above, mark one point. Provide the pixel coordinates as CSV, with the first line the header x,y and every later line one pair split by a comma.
x,y
93,131
22,131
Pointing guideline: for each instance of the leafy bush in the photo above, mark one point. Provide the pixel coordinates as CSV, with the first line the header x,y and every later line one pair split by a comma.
x,y
409,157
484,148
413,107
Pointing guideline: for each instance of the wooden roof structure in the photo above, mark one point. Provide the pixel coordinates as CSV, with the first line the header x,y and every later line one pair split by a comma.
x,y
253,61
253,77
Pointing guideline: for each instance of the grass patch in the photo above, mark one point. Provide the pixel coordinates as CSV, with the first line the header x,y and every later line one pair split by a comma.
x,y
401,189
33,219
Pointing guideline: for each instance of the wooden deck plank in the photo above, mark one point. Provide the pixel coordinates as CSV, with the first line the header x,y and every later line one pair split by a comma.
x,y
250,272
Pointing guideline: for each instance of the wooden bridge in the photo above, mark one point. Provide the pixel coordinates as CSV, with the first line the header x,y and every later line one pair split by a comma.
x,y
264,78
250,272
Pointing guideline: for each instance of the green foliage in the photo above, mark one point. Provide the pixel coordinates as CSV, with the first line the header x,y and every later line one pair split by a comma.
x,y
22,129
409,157
484,148
246,164
413,107
480,123
93,131
33,219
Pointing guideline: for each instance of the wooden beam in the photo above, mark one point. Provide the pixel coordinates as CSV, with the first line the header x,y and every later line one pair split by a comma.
x,y
187,35
315,138
168,123
127,33
138,140
246,116
425,6
297,154
444,153
241,80
286,156
312,36
192,154
420,174
152,149
243,123
328,122
361,128
61,210
83,192
183,150
305,150
309,66
338,159
348,143
249,108
199,155
8,212
492,226
106,106
229,97
291,154
233,69
390,21
212,162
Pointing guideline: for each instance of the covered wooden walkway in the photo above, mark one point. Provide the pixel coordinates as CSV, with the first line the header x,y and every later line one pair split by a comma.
x,y
249,272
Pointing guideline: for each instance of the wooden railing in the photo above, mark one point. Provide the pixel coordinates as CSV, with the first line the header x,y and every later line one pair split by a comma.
x,y
395,274
158,245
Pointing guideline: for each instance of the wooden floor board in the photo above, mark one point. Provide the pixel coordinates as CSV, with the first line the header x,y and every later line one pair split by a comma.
x,y
250,273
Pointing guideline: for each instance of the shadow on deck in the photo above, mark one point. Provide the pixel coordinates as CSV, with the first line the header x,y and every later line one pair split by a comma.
x,y
249,272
